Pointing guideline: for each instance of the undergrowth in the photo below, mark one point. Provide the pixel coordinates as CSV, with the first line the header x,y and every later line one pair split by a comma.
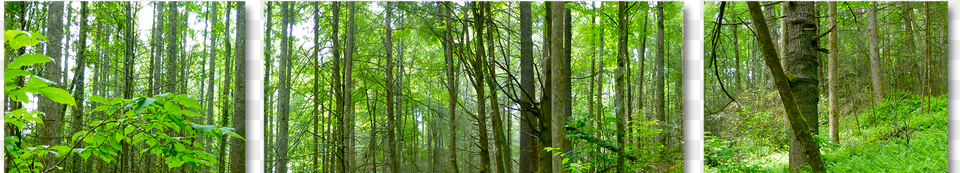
x,y
869,141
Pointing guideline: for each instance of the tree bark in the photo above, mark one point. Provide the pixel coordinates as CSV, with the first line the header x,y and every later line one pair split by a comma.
x,y
284,97
451,86
52,114
478,72
171,70
237,147
621,82
794,117
528,145
832,73
874,53
500,139
660,84
391,115
270,146
560,75
349,139
546,102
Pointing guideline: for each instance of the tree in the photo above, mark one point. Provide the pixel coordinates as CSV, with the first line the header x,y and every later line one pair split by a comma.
x,y
528,146
659,82
874,53
283,116
53,115
391,117
791,103
621,82
237,147
348,124
545,135
477,65
171,66
832,63
500,140
451,85
268,89
560,75
800,55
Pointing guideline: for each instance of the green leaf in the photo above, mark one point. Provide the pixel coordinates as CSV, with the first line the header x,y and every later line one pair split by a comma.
x,y
143,103
186,101
85,154
98,99
9,75
58,95
17,39
28,59
19,96
128,129
61,149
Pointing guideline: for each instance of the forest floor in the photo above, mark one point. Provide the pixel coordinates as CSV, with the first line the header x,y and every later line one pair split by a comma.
x,y
895,136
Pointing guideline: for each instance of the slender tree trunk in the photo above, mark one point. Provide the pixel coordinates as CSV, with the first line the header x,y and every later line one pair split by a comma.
x,y
795,119
78,75
528,145
451,86
874,53
213,64
659,83
503,150
284,97
316,86
268,90
621,83
832,73
546,102
225,92
52,114
478,71
349,140
391,114
128,80
643,57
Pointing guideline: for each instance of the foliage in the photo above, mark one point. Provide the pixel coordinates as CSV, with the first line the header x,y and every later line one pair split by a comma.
x,y
130,121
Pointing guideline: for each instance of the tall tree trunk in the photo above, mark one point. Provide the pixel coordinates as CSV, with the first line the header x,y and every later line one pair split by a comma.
x,y
391,116
832,73
561,88
337,84
316,86
78,75
225,92
659,84
171,70
784,86
528,145
874,53
284,98
451,86
237,148
643,60
213,64
268,90
127,162
477,64
546,102
349,140
621,83
52,114
801,58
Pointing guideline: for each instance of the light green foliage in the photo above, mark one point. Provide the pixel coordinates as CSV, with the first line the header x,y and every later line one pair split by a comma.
x,y
137,120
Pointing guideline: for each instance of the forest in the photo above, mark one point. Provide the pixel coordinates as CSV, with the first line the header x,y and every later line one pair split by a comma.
x,y
124,86
473,86
825,86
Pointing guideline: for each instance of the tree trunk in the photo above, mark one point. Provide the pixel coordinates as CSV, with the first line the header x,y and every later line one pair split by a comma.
x,y
795,119
560,75
660,84
237,148
621,83
528,145
269,148
801,56
284,98
874,53
349,139
391,114
78,75
546,102
500,139
225,92
128,80
171,70
832,73
643,60
478,87
52,114
451,86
